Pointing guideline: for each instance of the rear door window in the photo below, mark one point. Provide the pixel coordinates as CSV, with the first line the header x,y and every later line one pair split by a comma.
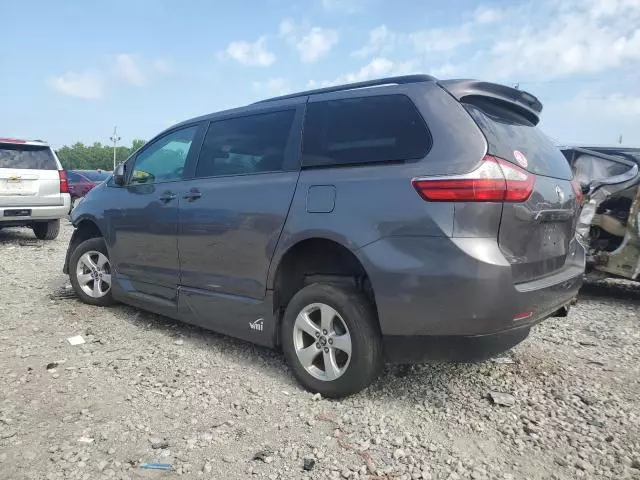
x,y
27,157
515,139
386,128
244,145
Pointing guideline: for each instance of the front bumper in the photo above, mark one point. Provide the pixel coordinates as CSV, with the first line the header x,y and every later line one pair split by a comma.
x,y
440,286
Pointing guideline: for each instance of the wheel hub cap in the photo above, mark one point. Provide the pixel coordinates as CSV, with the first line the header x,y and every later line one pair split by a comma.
x,y
93,273
322,341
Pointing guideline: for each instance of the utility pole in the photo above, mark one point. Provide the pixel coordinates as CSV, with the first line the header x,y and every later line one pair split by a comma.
x,y
115,139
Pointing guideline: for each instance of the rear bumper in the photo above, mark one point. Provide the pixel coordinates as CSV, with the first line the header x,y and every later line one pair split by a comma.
x,y
415,349
38,212
460,286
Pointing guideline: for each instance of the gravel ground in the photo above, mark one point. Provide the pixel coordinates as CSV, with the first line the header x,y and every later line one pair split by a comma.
x,y
145,389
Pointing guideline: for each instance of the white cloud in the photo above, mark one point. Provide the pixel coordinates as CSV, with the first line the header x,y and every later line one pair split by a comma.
x,y
118,70
251,54
381,41
621,105
446,39
610,105
486,15
590,115
273,87
88,85
311,43
162,66
286,27
316,44
577,37
376,68
128,69
446,70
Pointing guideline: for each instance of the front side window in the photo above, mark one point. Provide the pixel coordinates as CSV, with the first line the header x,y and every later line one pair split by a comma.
x,y
245,145
164,160
363,130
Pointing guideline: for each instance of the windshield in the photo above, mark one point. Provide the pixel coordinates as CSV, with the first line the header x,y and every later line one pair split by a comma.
x,y
516,140
27,157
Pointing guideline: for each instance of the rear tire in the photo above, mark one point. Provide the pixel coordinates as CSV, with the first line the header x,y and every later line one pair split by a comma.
x,y
46,230
92,257
352,317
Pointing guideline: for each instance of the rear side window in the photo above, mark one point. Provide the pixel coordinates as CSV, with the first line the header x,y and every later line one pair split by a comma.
x,y
28,157
364,130
244,145
515,139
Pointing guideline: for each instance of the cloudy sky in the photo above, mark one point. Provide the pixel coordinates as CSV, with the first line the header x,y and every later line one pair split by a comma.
x,y
70,70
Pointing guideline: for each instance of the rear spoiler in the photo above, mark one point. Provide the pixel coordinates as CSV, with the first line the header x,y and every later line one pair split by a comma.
x,y
519,101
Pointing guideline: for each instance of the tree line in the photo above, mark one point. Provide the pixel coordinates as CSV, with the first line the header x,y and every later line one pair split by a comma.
x,y
93,157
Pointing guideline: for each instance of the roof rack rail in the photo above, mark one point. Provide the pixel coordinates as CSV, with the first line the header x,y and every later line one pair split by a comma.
x,y
403,79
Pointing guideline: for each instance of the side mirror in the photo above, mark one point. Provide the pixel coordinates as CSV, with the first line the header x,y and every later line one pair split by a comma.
x,y
118,174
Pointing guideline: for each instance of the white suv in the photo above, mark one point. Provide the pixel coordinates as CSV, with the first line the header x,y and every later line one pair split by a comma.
x,y
33,187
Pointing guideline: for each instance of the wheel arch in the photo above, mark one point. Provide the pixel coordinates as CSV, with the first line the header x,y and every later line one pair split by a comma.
x,y
316,258
86,228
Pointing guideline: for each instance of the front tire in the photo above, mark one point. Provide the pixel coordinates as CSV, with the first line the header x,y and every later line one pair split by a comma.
x,y
46,230
90,273
331,340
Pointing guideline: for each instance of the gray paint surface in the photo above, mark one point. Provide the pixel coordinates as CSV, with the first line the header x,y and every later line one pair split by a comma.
x,y
436,268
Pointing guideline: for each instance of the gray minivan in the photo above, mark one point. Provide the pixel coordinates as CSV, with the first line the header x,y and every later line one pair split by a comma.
x,y
402,219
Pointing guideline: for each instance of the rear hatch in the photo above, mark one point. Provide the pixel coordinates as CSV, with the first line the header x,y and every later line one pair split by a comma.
x,y
535,235
28,175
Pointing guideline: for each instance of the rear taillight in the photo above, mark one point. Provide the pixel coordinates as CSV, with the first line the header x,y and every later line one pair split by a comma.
x,y
64,184
577,190
495,180
12,140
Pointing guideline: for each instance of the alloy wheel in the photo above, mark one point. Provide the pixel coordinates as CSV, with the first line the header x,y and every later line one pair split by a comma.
x,y
322,341
93,272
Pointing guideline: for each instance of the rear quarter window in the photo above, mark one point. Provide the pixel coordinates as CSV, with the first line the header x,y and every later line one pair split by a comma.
x,y
515,139
27,157
386,128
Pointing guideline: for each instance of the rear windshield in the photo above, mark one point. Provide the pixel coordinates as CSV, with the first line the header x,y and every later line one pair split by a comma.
x,y
95,176
31,157
515,139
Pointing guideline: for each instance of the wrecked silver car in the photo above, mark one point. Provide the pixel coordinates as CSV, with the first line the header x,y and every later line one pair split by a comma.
x,y
609,225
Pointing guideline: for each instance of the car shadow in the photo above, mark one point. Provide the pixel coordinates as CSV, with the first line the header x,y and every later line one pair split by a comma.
x,y
625,290
191,336
430,380
17,235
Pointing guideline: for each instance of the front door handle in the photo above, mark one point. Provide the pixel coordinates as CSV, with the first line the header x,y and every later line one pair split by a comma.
x,y
192,195
167,197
